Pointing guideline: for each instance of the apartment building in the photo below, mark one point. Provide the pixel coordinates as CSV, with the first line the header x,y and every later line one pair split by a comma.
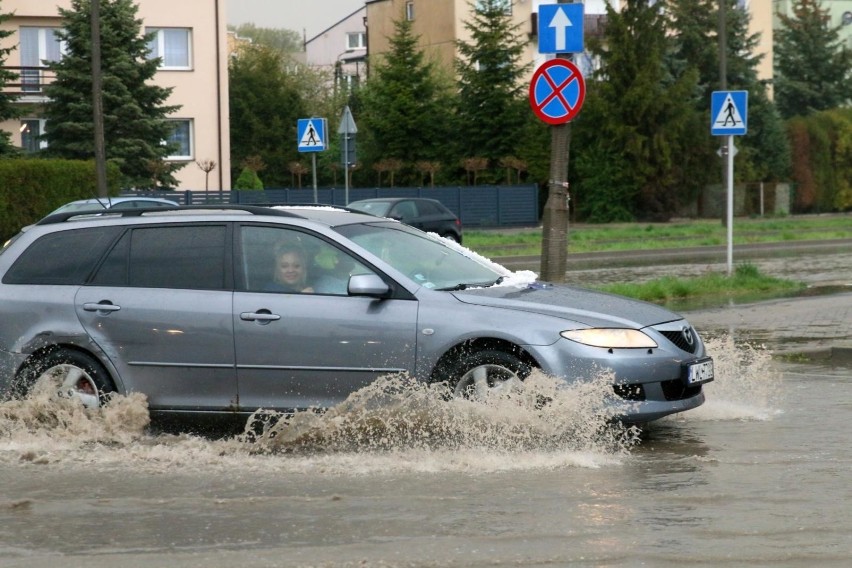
x,y
189,35
342,48
440,24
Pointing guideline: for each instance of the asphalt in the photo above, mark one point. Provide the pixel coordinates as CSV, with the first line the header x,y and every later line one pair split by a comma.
x,y
816,327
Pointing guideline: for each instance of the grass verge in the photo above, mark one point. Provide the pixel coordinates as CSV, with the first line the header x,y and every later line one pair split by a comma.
x,y
747,281
645,236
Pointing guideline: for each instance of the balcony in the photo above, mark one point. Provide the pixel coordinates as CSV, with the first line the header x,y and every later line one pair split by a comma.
x,y
27,85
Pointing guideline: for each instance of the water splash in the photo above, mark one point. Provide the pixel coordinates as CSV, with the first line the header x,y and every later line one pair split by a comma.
x,y
746,386
398,412
396,424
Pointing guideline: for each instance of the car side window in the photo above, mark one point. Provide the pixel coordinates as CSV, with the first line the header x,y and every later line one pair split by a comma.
x,y
273,259
428,208
405,210
182,257
64,257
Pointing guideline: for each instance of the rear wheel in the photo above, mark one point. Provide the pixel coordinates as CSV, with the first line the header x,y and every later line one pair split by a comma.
x,y
75,374
452,237
485,373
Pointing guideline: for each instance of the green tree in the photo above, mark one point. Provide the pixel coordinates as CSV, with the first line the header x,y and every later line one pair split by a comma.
x,y
764,151
265,104
492,103
813,69
637,110
135,124
287,41
403,107
7,110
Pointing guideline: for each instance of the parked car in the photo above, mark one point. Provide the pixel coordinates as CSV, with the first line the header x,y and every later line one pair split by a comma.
x,y
176,304
114,203
425,214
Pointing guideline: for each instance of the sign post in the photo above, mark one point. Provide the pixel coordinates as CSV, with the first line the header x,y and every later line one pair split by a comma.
x,y
310,137
347,130
557,91
729,118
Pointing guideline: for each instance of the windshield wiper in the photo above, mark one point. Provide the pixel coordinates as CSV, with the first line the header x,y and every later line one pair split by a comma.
x,y
465,285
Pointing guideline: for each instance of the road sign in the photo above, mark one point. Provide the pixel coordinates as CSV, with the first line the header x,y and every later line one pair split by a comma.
x,y
560,28
557,91
310,134
728,113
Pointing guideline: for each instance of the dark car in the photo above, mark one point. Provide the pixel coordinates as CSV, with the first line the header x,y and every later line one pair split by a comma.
x,y
427,215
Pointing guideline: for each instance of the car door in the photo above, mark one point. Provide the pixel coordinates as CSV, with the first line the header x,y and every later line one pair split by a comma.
x,y
300,350
160,307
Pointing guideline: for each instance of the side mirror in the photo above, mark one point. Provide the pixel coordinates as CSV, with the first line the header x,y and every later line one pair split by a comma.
x,y
368,285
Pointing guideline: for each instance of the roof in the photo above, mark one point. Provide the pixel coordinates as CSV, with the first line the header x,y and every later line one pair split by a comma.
x,y
337,23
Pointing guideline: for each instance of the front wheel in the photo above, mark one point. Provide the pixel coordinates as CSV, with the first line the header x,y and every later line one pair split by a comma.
x,y
74,373
486,373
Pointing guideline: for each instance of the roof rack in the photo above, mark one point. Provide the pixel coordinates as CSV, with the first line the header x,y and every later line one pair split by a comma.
x,y
138,212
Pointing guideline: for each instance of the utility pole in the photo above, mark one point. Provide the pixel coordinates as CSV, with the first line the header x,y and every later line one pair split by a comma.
x,y
97,101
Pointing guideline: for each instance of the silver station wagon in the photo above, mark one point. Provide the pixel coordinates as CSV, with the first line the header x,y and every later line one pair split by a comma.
x,y
221,310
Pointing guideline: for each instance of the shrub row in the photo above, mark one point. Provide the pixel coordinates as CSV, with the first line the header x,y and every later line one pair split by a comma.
x,y
31,188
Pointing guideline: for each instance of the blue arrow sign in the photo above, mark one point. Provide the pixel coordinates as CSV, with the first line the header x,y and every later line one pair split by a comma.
x,y
728,113
560,28
310,134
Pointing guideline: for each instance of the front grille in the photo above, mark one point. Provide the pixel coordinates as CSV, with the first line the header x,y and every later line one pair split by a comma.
x,y
630,392
680,341
676,389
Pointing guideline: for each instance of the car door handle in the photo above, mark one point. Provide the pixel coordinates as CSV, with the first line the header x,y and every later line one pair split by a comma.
x,y
263,316
103,306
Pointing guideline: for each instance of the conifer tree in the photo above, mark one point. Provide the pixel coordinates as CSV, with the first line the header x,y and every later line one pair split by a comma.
x,y
404,106
813,69
634,121
135,125
7,110
492,102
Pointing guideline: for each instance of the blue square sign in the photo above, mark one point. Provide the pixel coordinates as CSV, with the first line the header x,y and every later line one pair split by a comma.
x,y
560,28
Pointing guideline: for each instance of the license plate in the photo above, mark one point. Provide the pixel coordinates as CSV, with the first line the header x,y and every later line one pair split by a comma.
x,y
699,372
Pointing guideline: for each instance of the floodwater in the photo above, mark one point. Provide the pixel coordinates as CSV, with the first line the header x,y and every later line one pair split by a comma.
x,y
761,475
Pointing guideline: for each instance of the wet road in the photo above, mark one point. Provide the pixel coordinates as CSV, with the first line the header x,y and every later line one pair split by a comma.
x,y
758,476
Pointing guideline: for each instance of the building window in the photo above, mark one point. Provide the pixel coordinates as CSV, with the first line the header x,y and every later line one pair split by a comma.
x,y
39,47
409,11
356,40
31,130
172,45
181,140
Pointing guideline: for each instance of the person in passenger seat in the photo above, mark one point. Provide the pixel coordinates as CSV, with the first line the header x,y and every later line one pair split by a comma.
x,y
290,273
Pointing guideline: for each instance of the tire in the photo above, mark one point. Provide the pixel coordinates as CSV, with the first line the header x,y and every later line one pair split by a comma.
x,y
75,373
452,237
483,373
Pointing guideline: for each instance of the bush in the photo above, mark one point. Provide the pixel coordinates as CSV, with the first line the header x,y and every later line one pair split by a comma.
x,y
248,180
32,188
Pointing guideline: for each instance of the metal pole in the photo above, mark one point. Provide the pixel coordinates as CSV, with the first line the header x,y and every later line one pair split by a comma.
x,y
97,102
730,216
346,167
314,164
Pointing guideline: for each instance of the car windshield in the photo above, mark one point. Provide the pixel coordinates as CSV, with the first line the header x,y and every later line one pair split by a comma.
x,y
427,260
378,208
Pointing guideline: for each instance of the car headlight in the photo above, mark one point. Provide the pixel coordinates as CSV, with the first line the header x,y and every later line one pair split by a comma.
x,y
610,338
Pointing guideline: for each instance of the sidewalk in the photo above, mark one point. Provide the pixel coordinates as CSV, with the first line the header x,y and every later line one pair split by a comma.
x,y
819,326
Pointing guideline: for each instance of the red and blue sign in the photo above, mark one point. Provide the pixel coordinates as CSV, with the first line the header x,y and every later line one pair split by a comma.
x,y
557,91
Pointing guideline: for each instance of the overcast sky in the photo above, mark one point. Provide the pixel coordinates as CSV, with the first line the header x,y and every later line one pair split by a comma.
x,y
312,16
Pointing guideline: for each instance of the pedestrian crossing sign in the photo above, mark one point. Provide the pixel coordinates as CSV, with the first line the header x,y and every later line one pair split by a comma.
x,y
729,113
310,134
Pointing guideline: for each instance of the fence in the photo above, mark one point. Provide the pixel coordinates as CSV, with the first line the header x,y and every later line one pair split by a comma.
x,y
478,206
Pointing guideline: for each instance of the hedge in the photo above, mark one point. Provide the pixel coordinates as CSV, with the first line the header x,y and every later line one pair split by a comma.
x,y
32,188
